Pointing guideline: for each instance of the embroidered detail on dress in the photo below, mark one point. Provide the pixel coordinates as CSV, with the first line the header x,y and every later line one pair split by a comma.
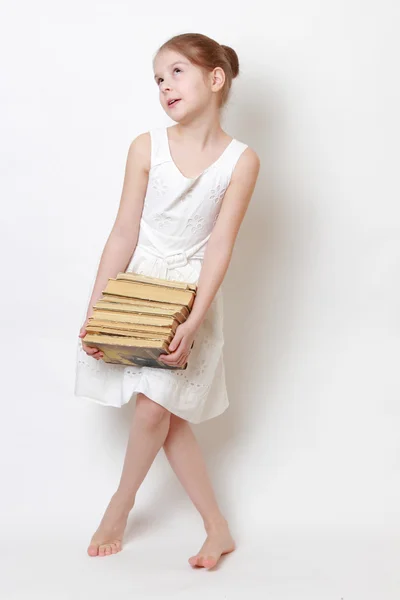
x,y
162,219
215,219
158,185
196,223
217,193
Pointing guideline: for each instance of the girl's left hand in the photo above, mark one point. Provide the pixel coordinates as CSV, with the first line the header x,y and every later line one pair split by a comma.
x,y
180,347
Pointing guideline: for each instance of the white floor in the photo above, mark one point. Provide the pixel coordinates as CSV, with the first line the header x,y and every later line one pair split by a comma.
x,y
61,461
275,564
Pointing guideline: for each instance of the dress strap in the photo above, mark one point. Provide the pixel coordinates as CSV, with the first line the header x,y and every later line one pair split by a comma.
x,y
159,147
232,155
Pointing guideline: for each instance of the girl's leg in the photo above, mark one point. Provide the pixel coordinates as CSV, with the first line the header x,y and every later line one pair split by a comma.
x,y
149,429
184,454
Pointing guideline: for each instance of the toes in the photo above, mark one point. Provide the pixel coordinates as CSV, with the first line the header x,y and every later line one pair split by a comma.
x,y
104,549
199,561
210,561
193,560
207,561
93,550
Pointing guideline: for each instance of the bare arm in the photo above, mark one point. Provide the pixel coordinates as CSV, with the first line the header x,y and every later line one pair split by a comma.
x,y
220,245
122,240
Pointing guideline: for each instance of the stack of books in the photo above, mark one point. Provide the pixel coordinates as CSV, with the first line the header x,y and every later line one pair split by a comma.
x,y
136,319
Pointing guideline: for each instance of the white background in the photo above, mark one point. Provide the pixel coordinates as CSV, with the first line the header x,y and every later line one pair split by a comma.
x,y
306,460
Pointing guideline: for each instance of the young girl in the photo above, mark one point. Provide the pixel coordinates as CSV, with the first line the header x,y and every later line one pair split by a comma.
x,y
185,193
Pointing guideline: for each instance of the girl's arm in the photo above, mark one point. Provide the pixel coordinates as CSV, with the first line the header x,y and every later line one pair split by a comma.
x,y
220,245
122,240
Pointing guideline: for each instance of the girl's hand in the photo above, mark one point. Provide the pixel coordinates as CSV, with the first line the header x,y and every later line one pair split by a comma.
x,y
93,352
180,347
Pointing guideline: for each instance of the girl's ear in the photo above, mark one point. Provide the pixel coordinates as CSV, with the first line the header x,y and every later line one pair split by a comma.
x,y
218,78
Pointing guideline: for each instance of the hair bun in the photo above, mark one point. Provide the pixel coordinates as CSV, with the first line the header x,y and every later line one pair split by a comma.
x,y
233,59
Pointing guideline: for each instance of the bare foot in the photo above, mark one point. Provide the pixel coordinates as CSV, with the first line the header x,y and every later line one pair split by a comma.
x,y
219,541
108,537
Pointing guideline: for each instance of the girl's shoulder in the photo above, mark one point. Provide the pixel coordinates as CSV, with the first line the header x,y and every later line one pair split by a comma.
x,y
142,141
140,150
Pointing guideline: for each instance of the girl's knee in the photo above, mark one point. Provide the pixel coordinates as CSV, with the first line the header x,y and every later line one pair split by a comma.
x,y
149,412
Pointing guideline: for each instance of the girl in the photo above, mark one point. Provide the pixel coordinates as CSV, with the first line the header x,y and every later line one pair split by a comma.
x,y
185,193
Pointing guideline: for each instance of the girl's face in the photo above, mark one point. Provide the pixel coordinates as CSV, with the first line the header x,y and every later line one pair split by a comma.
x,y
177,78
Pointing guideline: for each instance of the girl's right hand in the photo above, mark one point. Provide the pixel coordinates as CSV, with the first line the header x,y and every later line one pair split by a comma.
x,y
93,352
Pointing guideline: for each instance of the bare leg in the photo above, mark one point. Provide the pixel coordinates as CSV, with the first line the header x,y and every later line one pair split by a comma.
x,y
149,429
184,454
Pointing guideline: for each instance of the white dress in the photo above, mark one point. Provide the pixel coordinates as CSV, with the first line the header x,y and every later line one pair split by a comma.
x,y
177,220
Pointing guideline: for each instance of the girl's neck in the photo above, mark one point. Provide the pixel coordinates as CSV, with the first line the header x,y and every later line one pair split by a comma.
x,y
200,135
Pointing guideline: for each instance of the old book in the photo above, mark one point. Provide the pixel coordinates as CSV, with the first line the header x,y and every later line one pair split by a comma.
x,y
137,317
125,332
157,281
139,302
130,351
130,327
148,291
181,315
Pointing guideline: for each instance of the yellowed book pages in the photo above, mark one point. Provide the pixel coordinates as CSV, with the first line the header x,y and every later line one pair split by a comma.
x,y
132,327
137,301
123,317
182,285
145,291
129,342
136,309
125,333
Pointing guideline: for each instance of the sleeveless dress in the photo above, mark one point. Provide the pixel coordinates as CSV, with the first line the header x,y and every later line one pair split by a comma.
x,y
178,216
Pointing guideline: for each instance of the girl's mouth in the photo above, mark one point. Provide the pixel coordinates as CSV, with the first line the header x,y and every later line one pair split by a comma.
x,y
174,102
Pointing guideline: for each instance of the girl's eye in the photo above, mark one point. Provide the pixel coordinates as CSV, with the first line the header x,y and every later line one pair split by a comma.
x,y
160,78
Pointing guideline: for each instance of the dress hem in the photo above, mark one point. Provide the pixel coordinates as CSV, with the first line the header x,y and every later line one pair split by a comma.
x,y
193,420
